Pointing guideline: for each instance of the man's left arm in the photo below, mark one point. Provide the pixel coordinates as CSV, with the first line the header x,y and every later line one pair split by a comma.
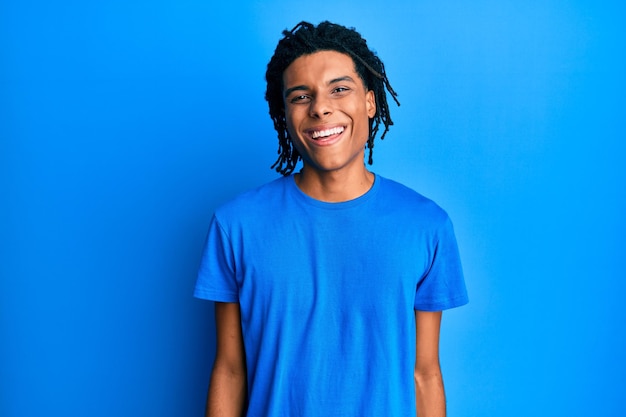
x,y
430,398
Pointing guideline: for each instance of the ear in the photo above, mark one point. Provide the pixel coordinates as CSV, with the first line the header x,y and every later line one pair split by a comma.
x,y
370,103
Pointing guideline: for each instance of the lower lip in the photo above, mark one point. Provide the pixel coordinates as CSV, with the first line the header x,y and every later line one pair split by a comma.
x,y
328,140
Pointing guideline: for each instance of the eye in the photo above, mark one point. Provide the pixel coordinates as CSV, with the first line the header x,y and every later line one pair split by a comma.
x,y
340,90
300,99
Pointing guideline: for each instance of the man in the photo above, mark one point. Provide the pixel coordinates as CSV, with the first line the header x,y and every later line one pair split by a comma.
x,y
328,283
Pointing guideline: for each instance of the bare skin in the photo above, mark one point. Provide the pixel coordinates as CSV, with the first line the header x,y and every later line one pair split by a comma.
x,y
327,109
227,389
430,398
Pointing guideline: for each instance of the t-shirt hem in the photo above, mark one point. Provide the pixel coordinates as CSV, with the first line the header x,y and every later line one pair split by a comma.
x,y
212,295
443,305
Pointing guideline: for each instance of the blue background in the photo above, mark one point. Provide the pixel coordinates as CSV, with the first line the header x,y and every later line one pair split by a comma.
x,y
124,123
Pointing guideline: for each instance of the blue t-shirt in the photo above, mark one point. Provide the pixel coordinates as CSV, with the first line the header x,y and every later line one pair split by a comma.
x,y
327,293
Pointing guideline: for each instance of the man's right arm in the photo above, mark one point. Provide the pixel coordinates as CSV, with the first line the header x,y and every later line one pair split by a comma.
x,y
227,389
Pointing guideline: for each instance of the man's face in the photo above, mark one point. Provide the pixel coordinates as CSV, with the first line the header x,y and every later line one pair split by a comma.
x,y
327,110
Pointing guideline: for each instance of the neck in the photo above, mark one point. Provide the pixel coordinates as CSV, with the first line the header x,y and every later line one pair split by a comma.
x,y
334,186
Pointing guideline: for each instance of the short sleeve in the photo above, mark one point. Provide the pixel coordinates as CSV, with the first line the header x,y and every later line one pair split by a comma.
x,y
216,279
443,286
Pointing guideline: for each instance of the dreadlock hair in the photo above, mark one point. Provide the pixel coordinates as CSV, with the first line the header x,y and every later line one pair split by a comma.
x,y
305,39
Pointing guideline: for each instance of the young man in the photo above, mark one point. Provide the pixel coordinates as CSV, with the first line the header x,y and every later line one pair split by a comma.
x,y
328,283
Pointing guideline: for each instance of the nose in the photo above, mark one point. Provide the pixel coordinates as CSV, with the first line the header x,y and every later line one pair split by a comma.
x,y
320,107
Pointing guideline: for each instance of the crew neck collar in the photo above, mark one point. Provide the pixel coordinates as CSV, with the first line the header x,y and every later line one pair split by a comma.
x,y
301,196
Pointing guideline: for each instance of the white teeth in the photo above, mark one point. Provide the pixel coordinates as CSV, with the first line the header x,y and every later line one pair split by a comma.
x,y
323,133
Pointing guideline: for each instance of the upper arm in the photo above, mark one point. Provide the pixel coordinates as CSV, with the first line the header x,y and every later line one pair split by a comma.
x,y
230,354
427,326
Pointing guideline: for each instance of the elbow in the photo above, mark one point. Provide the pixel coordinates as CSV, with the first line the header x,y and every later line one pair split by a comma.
x,y
427,375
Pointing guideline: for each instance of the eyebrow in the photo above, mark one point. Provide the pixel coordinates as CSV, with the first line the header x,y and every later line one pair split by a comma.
x,y
305,88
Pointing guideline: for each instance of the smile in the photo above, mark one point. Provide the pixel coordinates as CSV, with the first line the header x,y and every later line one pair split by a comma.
x,y
320,134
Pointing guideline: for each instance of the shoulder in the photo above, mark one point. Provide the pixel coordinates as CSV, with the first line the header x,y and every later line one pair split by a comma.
x,y
256,200
398,198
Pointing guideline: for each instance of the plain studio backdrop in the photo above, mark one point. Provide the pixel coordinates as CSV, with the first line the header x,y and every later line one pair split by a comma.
x,y
123,124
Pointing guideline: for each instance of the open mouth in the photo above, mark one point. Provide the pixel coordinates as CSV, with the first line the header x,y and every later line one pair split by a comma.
x,y
322,134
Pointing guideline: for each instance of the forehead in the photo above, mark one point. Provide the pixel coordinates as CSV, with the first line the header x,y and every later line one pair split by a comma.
x,y
319,66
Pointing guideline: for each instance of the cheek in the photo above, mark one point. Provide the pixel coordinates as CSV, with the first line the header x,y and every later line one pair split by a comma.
x,y
292,115
294,119
364,116
289,121
292,131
